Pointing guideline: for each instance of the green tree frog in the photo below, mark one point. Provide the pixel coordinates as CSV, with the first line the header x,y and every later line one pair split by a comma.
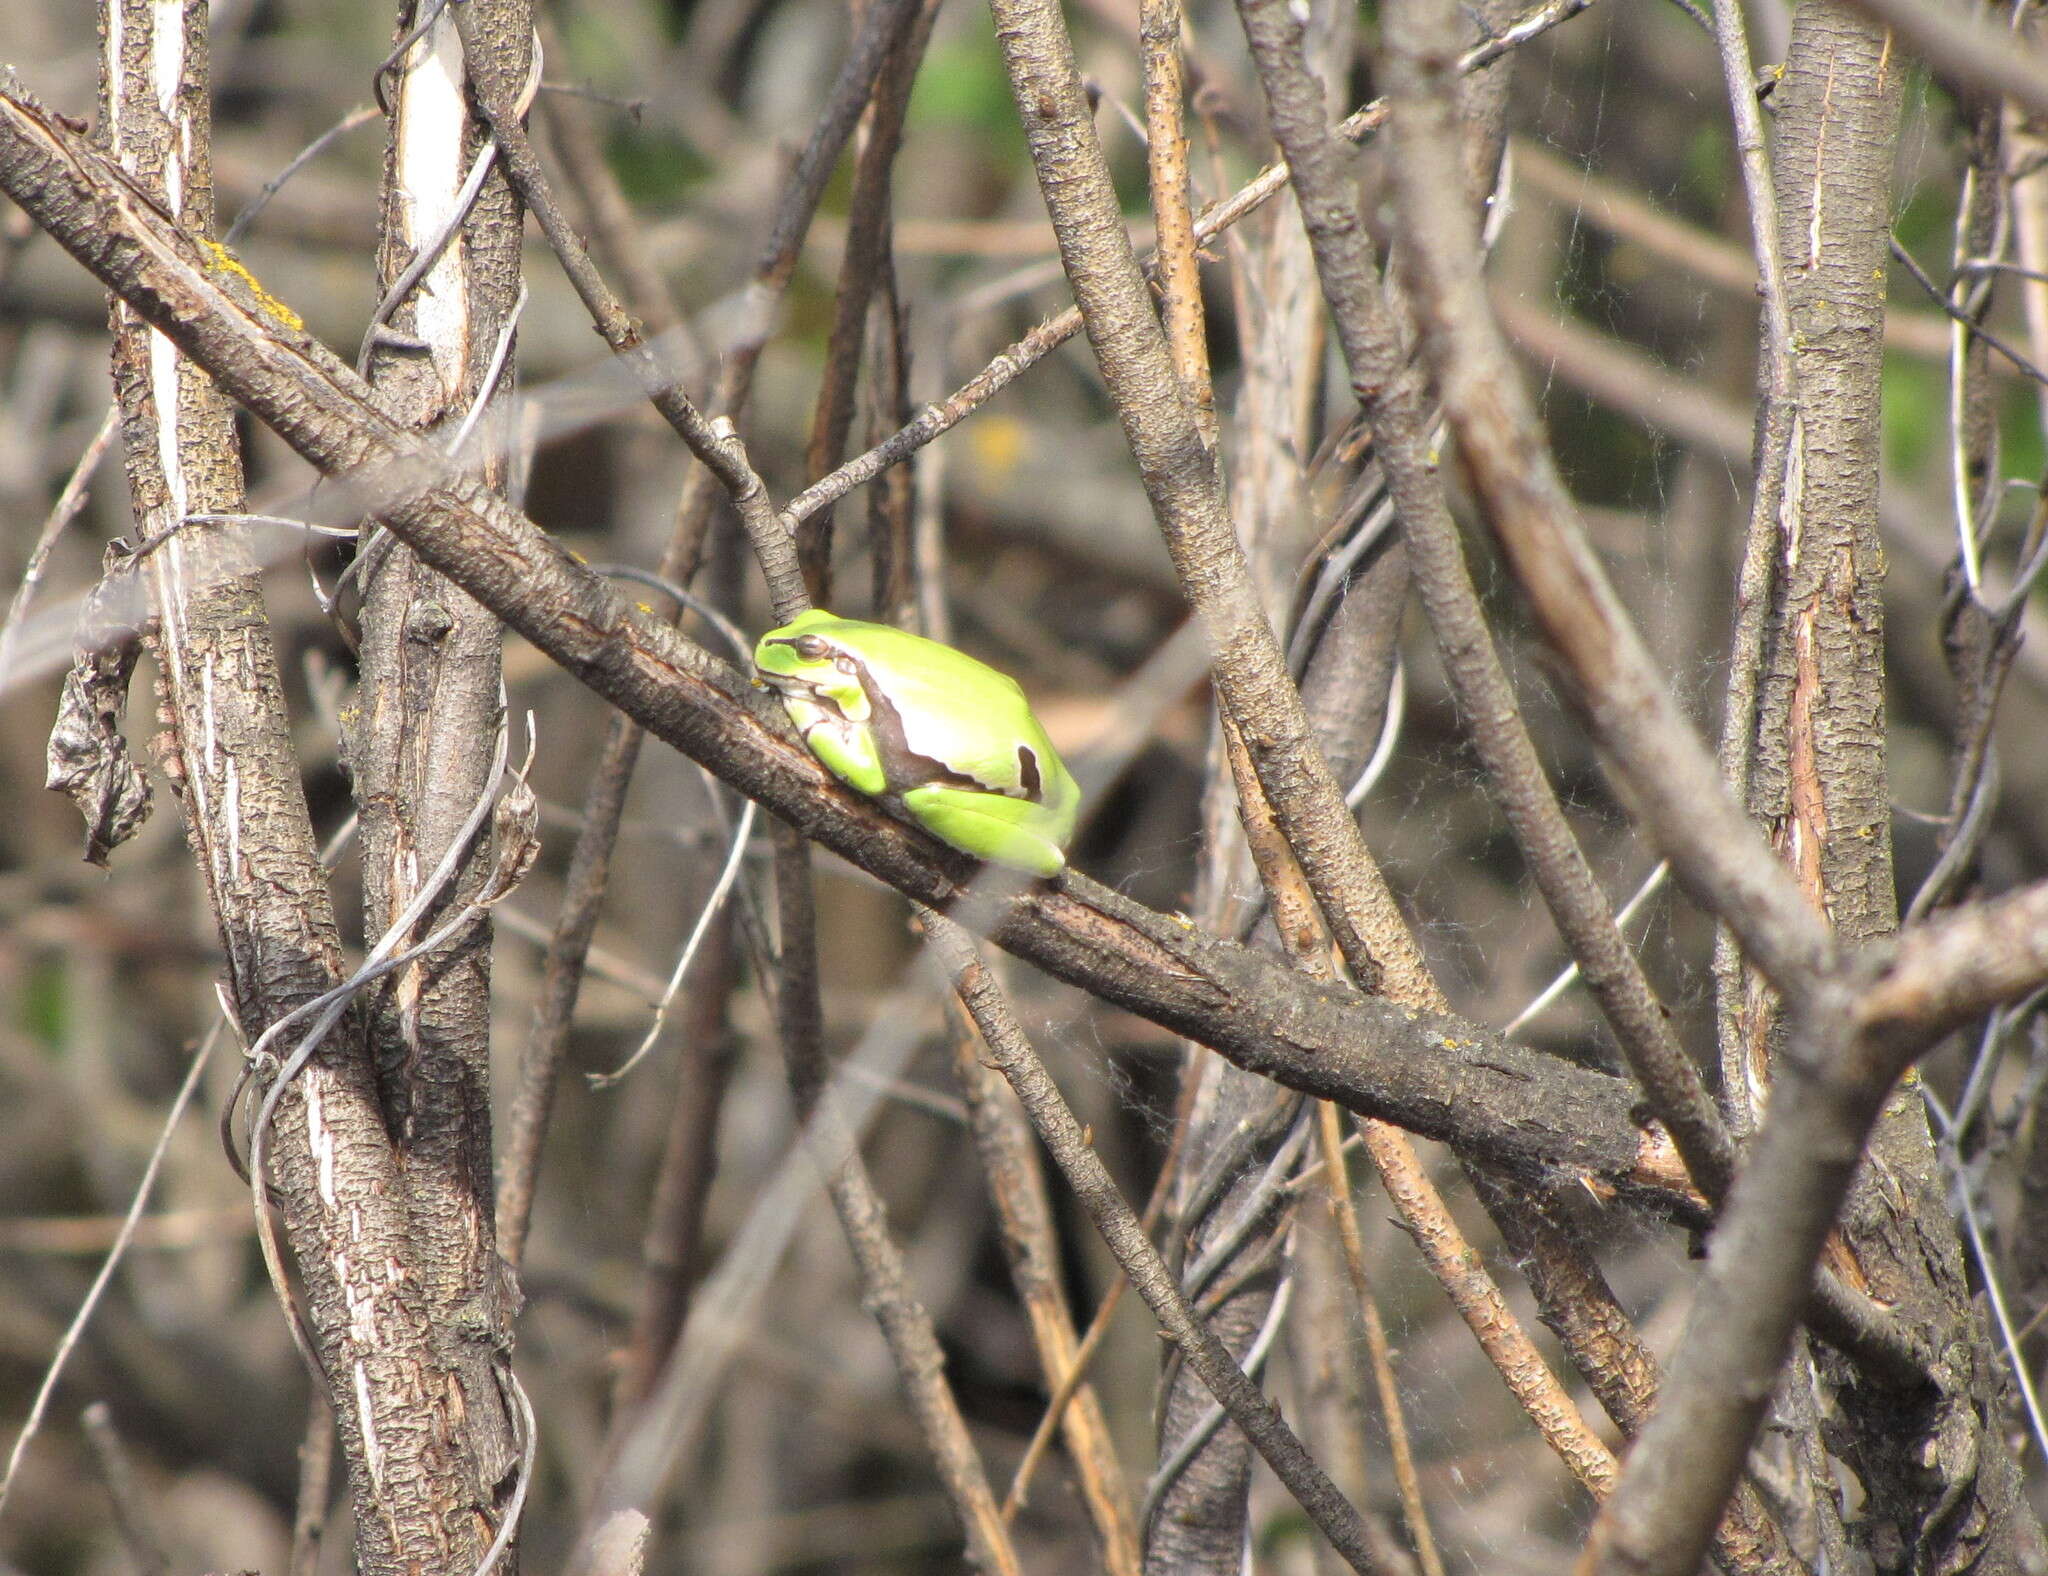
x,y
906,719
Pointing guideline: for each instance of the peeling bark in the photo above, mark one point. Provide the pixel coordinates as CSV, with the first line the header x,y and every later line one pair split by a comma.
x,y
426,724
226,748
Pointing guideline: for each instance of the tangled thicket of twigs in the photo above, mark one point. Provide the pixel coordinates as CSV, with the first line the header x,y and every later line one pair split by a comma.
x,y
1526,524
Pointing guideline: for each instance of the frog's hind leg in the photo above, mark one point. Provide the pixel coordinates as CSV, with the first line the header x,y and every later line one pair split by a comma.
x,y
988,826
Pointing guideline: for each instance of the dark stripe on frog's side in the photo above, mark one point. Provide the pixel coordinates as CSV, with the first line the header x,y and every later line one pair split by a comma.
x,y
904,768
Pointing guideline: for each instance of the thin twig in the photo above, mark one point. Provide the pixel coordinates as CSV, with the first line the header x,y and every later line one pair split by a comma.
x,y
1053,1418
133,1517
1963,1188
1205,1428
316,1466
1479,1302
615,229
1774,504
1091,1341
311,151
62,513
1337,1180
714,441
707,913
673,1240
39,1407
1011,363
529,1451
886,1293
1003,1140
1098,1194
865,267
1957,314
1570,972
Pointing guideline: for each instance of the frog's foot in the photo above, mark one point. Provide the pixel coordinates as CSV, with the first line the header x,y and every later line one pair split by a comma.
x,y
989,826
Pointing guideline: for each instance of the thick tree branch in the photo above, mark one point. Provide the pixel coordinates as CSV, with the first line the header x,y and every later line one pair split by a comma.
x,y
1434,1073
1179,472
1660,767
422,746
1395,403
228,750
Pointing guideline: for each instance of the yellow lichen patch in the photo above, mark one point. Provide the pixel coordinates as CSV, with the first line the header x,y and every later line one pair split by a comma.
x,y
228,263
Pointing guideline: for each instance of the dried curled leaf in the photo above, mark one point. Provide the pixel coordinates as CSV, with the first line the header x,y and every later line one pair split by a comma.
x,y
88,756
515,833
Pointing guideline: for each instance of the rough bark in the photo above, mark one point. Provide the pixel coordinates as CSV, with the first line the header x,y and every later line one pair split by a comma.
x,y
1466,1084
427,719
227,749
1200,1514
1940,1483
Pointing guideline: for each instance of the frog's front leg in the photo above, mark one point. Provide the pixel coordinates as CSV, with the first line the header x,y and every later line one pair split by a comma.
x,y
847,749
987,825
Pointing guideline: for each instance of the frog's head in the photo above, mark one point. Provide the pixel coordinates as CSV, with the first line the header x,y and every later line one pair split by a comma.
x,y
803,661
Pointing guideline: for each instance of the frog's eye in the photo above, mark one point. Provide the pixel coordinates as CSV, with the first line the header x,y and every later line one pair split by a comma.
x,y
811,648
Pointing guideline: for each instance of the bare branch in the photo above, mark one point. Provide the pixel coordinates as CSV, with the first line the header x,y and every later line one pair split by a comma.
x,y
1002,1137
1079,1164
132,1514
1394,402
1012,363
1660,766
1337,1179
1488,1096
1971,56
714,442
39,1408
1182,482
61,514
886,1291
